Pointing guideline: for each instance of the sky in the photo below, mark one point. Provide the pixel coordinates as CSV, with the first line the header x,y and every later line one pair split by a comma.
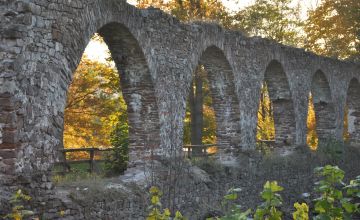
x,y
98,51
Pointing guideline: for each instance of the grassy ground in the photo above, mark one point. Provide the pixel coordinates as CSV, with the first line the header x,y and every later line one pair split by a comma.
x,y
78,171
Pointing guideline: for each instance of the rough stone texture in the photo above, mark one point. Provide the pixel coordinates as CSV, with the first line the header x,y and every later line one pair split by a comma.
x,y
41,43
323,106
202,187
280,96
353,101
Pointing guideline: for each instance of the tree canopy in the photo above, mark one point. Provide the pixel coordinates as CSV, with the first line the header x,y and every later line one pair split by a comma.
x,y
94,105
333,29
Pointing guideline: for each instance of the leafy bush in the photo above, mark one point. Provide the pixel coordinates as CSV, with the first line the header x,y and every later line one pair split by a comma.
x,y
155,208
302,211
272,200
18,212
353,189
234,211
116,162
332,204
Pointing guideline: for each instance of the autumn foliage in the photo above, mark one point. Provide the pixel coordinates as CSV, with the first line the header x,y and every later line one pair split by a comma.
x,y
94,105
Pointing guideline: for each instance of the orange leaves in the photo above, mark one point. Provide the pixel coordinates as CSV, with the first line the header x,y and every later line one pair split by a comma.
x,y
332,29
94,103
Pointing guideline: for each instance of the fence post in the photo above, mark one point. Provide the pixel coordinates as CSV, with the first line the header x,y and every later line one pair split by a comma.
x,y
64,163
91,160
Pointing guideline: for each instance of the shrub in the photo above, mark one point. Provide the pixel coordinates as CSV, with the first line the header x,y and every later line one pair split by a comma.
x,y
116,162
18,212
332,204
272,200
155,208
302,211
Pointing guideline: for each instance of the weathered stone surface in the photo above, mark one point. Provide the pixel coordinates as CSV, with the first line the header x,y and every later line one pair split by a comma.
x,y
41,43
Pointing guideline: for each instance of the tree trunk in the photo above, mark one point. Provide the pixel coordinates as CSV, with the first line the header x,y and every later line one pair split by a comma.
x,y
196,102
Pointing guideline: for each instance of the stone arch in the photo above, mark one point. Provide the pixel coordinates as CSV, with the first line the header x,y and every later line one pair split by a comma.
x,y
353,102
282,103
138,91
225,101
323,106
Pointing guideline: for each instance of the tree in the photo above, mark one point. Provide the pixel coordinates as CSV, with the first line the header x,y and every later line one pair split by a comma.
x,y
117,160
273,19
94,105
265,127
333,29
311,138
208,10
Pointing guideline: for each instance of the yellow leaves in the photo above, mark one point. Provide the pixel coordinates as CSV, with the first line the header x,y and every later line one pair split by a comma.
x,y
62,213
155,196
302,211
154,190
155,199
155,207
332,29
94,104
266,126
312,138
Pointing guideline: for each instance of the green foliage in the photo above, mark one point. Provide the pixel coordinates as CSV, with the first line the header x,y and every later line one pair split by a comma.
x,y
18,212
234,211
78,172
208,114
353,189
155,208
116,162
272,200
302,211
273,19
332,204
94,106
333,29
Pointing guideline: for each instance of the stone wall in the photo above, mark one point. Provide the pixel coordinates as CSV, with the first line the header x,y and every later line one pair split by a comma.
x,y
323,106
200,188
42,41
353,102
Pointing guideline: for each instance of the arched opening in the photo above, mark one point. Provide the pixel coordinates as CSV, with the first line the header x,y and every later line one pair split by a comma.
x,y
324,110
353,112
276,111
265,126
113,105
312,139
138,91
214,80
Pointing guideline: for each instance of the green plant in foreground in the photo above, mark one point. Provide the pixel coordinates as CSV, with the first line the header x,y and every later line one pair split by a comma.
x,y
235,212
332,204
18,212
155,208
302,211
272,200
117,161
353,190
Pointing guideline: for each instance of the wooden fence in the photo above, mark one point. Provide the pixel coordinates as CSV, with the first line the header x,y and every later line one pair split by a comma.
x,y
92,152
202,152
188,152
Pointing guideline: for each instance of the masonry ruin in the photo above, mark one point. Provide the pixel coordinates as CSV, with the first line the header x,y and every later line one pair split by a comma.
x,y
42,42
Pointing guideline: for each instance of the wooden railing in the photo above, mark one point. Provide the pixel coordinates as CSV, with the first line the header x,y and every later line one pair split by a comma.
x,y
92,151
189,152
269,143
